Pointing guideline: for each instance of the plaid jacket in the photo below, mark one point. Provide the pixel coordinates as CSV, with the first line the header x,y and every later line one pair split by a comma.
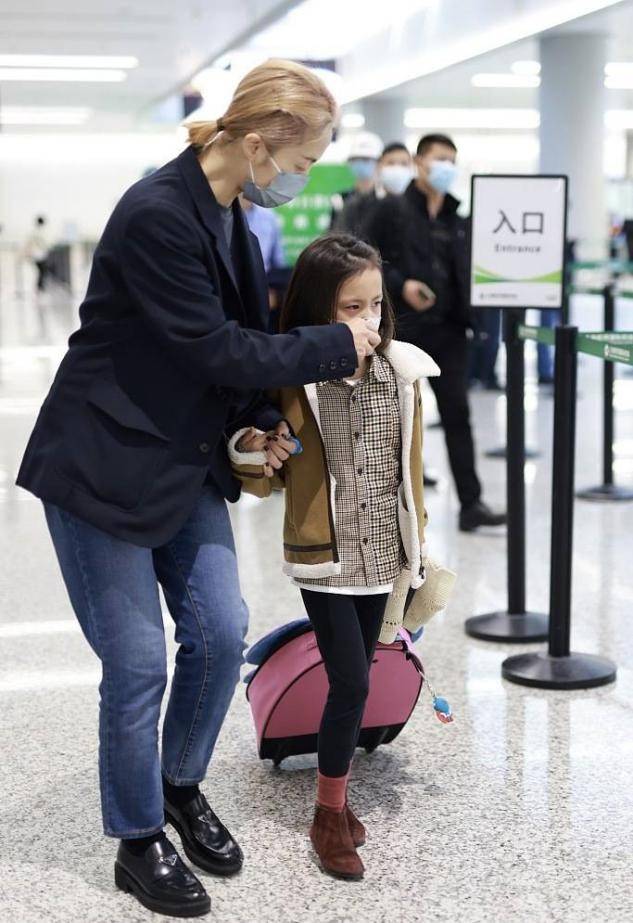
x,y
309,525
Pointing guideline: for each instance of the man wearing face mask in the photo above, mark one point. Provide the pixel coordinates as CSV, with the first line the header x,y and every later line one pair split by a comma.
x,y
423,242
350,210
395,170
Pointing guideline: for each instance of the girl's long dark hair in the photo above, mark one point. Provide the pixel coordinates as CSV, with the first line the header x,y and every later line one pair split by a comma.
x,y
321,269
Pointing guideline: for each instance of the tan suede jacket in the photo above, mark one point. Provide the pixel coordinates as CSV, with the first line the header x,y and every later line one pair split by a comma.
x,y
309,533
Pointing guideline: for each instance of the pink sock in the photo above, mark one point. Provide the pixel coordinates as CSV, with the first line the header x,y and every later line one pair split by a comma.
x,y
331,791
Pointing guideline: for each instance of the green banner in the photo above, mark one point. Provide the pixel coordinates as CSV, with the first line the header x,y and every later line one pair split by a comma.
x,y
539,334
614,347
585,290
309,215
613,265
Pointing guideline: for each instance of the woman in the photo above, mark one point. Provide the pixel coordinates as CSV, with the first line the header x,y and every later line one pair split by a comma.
x,y
129,458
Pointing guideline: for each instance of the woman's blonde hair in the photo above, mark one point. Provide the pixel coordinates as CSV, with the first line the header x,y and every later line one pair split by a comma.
x,y
283,102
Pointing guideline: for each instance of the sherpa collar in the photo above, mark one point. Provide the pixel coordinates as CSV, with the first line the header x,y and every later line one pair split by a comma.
x,y
410,362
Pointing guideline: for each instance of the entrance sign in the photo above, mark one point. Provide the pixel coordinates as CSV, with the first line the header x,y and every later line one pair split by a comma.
x,y
517,256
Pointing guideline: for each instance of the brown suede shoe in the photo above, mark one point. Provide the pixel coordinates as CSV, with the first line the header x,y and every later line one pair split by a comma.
x,y
355,827
333,844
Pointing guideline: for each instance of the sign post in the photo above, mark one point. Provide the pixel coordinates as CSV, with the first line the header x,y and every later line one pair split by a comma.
x,y
517,262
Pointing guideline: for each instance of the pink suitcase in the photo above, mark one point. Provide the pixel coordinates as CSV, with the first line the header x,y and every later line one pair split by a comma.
x,y
288,690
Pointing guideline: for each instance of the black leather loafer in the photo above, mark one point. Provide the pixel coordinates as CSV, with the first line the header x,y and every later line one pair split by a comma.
x,y
205,839
161,881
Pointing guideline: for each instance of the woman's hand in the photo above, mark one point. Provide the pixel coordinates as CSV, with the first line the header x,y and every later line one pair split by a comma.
x,y
277,448
365,340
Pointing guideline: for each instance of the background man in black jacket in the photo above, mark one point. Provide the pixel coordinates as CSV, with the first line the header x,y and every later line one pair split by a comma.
x,y
423,242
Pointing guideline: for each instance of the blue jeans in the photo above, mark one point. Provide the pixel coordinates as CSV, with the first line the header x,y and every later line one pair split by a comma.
x,y
113,588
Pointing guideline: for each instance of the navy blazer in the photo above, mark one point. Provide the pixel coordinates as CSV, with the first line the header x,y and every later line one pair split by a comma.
x,y
170,355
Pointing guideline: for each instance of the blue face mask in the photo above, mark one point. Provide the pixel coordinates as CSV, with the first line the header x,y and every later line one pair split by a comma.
x,y
283,188
362,168
442,175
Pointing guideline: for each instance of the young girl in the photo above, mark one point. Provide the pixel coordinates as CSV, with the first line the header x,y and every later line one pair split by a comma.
x,y
355,517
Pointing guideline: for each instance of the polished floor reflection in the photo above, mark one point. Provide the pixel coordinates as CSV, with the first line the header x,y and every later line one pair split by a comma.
x,y
522,810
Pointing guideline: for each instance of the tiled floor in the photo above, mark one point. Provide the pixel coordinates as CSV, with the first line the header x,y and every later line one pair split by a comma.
x,y
522,810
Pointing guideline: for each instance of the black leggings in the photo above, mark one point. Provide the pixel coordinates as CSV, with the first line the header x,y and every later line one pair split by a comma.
x,y
346,629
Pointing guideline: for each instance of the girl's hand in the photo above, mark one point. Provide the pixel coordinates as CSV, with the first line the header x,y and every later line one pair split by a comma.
x,y
277,448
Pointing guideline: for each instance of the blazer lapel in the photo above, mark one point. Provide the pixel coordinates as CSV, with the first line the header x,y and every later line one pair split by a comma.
x,y
207,207
251,268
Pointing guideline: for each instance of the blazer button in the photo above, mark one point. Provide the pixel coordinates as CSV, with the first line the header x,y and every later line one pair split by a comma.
x,y
333,365
204,447
322,367
343,362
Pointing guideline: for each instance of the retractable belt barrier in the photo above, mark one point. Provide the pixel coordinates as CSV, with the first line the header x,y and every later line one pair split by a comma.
x,y
559,667
516,624
613,347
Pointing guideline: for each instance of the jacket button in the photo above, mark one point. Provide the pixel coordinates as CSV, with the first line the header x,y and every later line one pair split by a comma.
x,y
333,365
322,367
343,363
204,447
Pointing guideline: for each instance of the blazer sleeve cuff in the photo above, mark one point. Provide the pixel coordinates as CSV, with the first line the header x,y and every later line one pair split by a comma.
x,y
268,418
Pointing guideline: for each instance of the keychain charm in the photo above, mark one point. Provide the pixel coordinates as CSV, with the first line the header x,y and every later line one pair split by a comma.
x,y
443,711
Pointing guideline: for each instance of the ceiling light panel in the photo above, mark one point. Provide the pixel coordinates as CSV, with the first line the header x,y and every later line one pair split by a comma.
x,y
471,118
512,81
60,75
526,68
44,115
126,62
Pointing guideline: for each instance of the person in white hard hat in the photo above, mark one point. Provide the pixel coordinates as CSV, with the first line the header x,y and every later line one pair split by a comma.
x,y
349,210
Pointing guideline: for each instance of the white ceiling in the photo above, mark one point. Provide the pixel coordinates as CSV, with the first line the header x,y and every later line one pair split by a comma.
x,y
171,38
452,87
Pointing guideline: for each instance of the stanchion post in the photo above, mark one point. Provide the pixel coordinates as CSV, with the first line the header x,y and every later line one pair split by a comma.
x,y
515,624
563,467
608,379
558,668
515,383
607,490
515,467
